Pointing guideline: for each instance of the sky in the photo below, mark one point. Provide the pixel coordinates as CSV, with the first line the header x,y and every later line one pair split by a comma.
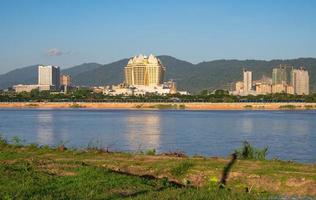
x,y
71,32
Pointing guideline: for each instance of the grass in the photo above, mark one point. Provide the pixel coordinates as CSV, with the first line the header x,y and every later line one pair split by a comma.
x,y
289,107
23,180
33,105
75,105
308,107
42,172
248,106
249,152
167,106
181,168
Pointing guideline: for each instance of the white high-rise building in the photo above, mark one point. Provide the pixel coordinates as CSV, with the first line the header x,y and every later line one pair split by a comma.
x,y
49,75
143,70
300,81
247,82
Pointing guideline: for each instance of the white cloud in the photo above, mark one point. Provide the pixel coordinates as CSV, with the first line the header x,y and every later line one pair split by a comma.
x,y
56,52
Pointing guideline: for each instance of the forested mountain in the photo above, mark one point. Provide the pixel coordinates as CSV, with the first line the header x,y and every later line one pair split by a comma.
x,y
192,77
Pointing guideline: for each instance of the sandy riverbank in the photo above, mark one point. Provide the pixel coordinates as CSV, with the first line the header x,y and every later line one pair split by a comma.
x,y
187,106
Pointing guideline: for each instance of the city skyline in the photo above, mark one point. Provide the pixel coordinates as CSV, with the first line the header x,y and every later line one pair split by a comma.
x,y
193,31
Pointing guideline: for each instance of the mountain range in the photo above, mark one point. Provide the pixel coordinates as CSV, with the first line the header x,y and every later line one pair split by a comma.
x,y
192,77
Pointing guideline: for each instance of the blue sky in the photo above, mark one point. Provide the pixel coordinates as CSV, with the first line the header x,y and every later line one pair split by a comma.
x,y
70,32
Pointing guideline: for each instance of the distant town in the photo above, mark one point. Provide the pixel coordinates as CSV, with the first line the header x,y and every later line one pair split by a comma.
x,y
298,84
145,75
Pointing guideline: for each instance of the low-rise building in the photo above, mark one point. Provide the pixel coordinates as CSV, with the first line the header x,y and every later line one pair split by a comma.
x,y
263,88
126,90
239,87
279,88
290,89
28,88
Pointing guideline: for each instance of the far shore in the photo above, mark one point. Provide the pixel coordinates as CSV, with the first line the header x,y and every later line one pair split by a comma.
x,y
159,105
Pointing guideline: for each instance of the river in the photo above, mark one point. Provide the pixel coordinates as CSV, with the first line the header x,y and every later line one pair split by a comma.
x,y
290,135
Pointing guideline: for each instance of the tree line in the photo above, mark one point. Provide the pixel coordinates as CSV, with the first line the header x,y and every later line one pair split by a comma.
x,y
87,95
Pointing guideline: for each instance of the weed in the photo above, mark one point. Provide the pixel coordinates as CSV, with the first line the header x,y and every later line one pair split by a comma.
x,y
17,141
290,107
75,105
248,152
182,168
33,146
151,152
32,105
3,141
164,106
308,107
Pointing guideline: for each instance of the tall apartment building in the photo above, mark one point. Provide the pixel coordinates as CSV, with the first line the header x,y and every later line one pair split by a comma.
x,y
142,70
65,80
49,75
300,81
247,82
279,75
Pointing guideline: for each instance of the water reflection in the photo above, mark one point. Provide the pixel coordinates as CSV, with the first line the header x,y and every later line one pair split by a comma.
x,y
45,133
247,125
289,135
143,131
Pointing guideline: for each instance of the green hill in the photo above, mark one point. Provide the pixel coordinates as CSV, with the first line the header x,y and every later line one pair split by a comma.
x,y
191,77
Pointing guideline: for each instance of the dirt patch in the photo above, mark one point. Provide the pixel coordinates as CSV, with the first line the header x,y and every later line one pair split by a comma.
x,y
301,186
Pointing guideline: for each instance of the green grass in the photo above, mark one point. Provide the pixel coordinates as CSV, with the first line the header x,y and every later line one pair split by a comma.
x,y
181,168
25,180
249,152
42,172
308,107
75,105
290,107
164,106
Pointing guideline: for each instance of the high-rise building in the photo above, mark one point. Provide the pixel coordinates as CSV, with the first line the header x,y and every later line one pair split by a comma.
x,y
300,81
49,75
65,80
247,82
142,70
279,75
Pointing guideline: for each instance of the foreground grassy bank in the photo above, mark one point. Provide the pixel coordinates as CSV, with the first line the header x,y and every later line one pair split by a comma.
x,y
33,172
155,106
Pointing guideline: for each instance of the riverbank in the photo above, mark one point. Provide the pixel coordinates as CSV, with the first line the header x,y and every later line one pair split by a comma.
x,y
186,106
35,172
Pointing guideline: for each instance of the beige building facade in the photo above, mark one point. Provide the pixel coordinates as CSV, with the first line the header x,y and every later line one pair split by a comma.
x,y
263,88
300,81
49,75
247,82
143,70
65,80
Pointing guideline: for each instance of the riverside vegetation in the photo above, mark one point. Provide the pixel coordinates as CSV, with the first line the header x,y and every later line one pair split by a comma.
x,y
43,172
87,95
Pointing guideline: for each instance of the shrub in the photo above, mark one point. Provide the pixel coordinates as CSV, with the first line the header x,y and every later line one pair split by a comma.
x,y
151,152
307,107
75,105
3,141
248,152
182,168
248,106
17,141
291,107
